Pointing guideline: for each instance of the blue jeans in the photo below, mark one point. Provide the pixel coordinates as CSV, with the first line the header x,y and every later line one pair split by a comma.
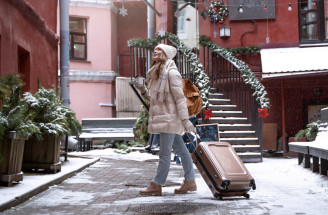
x,y
167,142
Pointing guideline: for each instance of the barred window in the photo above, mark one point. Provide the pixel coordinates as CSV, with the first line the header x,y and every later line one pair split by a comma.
x,y
313,21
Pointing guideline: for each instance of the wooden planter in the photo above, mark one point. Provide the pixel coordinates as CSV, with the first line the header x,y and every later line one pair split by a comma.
x,y
42,155
12,157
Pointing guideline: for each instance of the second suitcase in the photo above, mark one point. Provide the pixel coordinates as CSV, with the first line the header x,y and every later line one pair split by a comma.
x,y
222,169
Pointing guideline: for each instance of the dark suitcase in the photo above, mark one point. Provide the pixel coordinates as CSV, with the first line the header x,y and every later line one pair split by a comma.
x,y
223,170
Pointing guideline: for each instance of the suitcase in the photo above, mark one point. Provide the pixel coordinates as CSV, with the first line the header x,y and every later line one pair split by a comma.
x,y
222,169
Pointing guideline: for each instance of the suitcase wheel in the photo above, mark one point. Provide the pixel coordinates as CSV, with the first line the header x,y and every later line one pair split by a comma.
x,y
218,196
246,195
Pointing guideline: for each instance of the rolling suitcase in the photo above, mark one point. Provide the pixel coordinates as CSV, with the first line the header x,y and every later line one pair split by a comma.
x,y
222,169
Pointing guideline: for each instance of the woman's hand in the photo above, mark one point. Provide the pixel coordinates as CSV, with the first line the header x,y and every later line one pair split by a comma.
x,y
139,86
189,127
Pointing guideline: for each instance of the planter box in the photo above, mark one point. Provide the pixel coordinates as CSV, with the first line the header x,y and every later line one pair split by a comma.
x,y
42,155
12,157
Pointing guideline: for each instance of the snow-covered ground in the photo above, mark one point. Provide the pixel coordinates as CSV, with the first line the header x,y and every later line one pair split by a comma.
x,y
283,187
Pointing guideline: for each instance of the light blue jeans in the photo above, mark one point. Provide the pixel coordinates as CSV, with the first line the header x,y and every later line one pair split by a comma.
x,y
167,142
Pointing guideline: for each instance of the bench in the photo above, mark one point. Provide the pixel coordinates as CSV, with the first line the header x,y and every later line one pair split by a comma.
x,y
105,129
317,149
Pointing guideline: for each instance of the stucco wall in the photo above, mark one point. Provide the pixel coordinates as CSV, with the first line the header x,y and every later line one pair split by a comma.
x,y
283,29
101,26
22,25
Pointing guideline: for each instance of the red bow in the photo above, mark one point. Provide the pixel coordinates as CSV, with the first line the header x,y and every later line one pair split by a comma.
x,y
263,112
208,113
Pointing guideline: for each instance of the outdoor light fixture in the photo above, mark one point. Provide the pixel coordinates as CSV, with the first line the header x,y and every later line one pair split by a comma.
x,y
225,31
240,9
290,7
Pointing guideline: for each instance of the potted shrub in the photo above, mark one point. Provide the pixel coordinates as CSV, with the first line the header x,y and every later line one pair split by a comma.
x,y
15,127
53,119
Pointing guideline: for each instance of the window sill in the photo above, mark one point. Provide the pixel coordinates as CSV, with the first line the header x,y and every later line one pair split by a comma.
x,y
80,61
313,45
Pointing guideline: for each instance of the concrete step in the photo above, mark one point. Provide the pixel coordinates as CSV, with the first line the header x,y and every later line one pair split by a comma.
x,y
219,101
247,148
250,157
224,113
223,107
240,141
228,120
216,96
237,134
235,127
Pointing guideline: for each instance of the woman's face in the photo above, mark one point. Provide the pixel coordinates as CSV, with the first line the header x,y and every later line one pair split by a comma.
x,y
157,54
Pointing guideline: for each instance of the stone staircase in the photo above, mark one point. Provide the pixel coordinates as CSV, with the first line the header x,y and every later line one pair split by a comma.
x,y
234,128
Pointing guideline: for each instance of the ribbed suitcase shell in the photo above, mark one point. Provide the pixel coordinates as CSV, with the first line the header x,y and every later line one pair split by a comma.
x,y
222,169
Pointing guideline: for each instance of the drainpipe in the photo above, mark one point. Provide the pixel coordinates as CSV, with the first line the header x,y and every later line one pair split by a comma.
x,y
151,26
64,51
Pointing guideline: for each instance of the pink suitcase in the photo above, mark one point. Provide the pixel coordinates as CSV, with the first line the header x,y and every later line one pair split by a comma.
x,y
223,170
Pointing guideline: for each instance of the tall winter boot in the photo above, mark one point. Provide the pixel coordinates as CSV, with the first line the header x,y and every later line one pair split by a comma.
x,y
188,185
153,189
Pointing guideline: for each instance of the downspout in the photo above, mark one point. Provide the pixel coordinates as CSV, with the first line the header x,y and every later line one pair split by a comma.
x,y
64,51
284,144
150,26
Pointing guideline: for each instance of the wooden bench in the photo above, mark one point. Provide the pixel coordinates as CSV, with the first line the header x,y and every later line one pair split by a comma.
x,y
105,129
317,149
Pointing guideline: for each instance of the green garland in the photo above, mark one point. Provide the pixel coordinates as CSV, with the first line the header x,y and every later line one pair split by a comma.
x,y
259,91
202,81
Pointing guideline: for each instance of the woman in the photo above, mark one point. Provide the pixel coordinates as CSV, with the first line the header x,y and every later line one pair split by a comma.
x,y
168,116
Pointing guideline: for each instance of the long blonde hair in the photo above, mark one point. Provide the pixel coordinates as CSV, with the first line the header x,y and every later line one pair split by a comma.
x,y
159,64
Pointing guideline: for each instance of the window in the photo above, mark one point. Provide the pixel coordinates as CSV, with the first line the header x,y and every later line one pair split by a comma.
x,y
78,38
181,21
313,21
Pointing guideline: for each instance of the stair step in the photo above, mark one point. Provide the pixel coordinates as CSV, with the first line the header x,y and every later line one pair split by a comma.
x,y
216,96
222,107
222,113
219,101
250,157
230,127
228,120
246,148
240,141
213,90
237,133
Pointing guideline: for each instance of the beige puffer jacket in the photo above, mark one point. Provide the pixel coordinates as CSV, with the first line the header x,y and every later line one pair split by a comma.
x,y
167,116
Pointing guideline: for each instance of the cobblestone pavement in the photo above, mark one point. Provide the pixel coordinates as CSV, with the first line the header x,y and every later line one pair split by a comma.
x,y
111,186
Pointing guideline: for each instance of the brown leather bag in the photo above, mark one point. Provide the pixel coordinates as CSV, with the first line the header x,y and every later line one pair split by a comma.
x,y
192,94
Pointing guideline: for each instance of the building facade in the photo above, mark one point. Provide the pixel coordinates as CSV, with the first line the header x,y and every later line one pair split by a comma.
x,y
28,41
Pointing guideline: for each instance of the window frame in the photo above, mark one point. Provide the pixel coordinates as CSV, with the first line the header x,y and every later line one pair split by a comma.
x,y
320,23
72,42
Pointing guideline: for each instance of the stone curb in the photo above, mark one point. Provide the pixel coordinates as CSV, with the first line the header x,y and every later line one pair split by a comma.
x,y
22,198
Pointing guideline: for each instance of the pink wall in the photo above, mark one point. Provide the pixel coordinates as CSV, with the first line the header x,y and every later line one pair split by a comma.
x,y
100,33
85,98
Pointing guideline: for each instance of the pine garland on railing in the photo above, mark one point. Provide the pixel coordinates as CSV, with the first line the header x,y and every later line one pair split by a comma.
x,y
259,91
201,79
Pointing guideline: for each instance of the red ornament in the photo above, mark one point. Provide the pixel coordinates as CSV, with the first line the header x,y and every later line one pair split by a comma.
x,y
314,4
216,9
263,112
188,19
208,113
265,8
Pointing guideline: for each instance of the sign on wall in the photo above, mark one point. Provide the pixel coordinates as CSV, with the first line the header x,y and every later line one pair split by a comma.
x,y
251,9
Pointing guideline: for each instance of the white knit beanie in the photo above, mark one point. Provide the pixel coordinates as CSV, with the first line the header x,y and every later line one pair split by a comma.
x,y
169,51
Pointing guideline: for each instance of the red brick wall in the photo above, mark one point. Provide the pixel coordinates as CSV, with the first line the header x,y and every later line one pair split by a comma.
x,y
26,31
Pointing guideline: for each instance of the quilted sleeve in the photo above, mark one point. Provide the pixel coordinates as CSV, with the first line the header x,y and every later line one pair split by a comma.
x,y
176,85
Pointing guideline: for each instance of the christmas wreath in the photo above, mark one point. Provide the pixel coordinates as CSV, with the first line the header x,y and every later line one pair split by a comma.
x,y
217,11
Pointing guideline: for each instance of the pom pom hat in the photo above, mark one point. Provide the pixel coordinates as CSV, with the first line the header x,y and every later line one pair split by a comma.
x,y
169,51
